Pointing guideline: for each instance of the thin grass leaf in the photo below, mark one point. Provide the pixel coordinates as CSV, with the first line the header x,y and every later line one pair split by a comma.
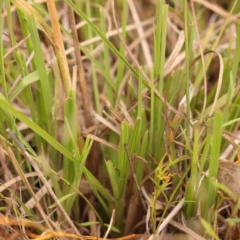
x,y
44,83
187,60
140,164
140,89
216,144
209,229
123,164
236,57
226,190
135,136
2,68
205,152
190,195
27,80
157,38
61,200
163,48
120,70
230,123
114,229
213,165
114,179
152,114
106,58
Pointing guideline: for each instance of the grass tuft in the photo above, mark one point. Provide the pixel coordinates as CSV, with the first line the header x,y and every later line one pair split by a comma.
x,y
118,119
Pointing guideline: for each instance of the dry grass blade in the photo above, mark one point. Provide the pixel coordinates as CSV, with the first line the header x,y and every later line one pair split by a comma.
x,y
172,58
214,7
126,113
186,230
148,198
16,179
15,222
40,194
219,85
110,224
26,182
220,77
94,228
145,46
58,45
102,141
168,218
106,123
16,46
45,182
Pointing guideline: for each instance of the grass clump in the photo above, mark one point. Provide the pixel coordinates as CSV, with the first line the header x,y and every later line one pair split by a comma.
x,y
117,119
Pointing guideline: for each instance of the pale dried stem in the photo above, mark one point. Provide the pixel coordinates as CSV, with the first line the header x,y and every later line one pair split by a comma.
x,y
58,45
17,46
167,220
141,33
110,224
11,182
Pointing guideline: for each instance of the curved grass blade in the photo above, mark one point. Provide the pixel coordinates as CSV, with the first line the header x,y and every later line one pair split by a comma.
x,y
30,78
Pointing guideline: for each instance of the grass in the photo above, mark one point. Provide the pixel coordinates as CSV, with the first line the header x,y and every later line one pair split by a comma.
x,y
115,126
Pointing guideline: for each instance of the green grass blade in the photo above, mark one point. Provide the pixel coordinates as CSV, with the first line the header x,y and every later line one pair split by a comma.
x,y
135,136
190,195
236,57
106,58
120,70
157,38
186,33
2,68
114,179
61,200
38,130
45,86
209,229
26,81
123,164
213,165
140,89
